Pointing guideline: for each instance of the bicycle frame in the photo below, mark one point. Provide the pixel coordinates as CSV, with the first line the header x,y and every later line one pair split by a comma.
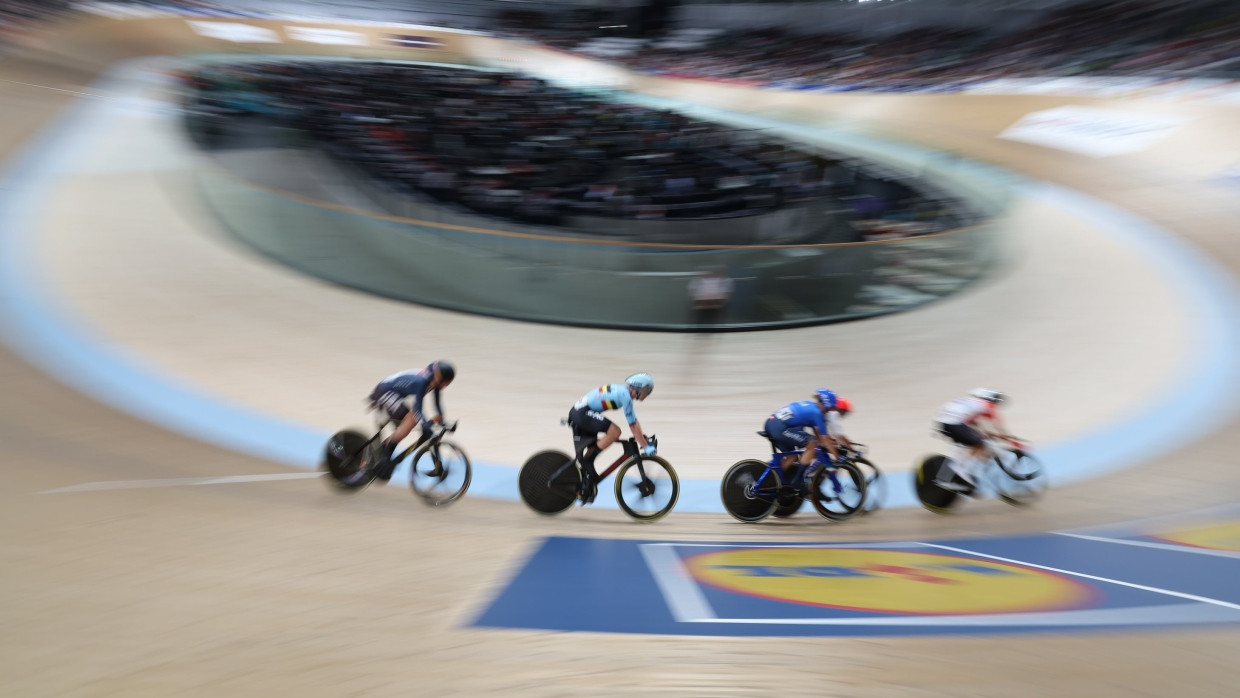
x,y
432,435
821,459
630,452
997,447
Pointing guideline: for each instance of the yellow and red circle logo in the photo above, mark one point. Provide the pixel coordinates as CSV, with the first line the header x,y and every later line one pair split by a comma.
x,y
1219,536
887,581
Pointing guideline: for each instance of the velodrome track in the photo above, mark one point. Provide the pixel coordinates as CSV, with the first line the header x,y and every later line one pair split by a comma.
x,y
249,587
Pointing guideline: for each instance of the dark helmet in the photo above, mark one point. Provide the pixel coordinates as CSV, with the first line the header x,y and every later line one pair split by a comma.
x,y
446,370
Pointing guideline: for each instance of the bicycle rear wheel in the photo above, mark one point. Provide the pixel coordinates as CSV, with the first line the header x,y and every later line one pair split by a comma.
x,y
1021,480
539,492
748,492
932,496
350,460
647,489
840,497
439,472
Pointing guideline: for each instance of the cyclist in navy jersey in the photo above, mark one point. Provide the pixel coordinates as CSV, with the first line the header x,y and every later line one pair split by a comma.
x,y
390,396
588,422
787,428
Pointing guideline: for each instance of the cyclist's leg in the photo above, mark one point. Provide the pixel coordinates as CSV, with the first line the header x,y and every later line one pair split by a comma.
x,y
972,449
790,439
393,404
587,425
436,467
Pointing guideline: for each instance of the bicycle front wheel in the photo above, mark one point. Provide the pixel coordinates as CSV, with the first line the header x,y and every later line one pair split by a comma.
x,y
875,485
440,472
539,492
1021,480
838,492
748,490
647,489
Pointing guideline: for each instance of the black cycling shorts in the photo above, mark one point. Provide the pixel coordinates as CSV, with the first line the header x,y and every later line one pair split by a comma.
x,y
587,422
962,434
391,402
787,438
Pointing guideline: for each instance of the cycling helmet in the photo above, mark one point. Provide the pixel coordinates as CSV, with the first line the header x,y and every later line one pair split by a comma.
x,y
988,395
642,383
826,397
446,370
842,405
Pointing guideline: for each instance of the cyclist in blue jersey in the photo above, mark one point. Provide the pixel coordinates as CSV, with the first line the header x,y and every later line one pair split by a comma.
x,y
390,396
787,427
588,422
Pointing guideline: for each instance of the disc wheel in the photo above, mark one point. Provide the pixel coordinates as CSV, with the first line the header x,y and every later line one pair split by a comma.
x,y
748,491
537,490
350,460
840,497
933,497
440,473
647,489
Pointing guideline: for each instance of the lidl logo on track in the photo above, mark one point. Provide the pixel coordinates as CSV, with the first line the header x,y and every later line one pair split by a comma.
x,y
1219,536
886,581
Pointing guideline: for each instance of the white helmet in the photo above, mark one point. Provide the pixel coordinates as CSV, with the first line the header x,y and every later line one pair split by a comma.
x,y
988,395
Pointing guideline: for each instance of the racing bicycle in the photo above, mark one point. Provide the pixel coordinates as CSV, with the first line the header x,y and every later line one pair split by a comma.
x,y
439,470
752,490
1012,473
646,486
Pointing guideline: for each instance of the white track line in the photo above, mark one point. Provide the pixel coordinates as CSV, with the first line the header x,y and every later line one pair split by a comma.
x,y
92,95
1142,587
177,482
1154,545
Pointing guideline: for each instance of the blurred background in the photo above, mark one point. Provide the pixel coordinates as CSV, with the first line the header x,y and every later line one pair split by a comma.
x,y
221,222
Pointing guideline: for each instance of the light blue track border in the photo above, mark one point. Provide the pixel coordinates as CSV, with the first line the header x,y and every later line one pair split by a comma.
x,y
38,325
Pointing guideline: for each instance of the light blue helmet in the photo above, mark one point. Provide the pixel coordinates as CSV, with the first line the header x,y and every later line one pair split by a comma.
x,y
642,383
826,397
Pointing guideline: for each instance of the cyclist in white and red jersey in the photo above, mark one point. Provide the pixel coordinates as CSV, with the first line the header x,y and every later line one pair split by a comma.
x,y
835,423
969,421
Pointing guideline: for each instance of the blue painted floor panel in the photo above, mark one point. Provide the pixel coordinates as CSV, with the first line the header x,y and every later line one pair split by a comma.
x,y
1043,583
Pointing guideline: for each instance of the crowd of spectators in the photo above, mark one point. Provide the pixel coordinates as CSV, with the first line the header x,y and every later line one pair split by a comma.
x,y
514,146
1110,38
17,17
458,14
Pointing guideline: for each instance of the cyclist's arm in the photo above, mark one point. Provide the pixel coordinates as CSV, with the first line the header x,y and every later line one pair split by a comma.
x,y
836,429
636,428
828,443
993,427
418,413
438,406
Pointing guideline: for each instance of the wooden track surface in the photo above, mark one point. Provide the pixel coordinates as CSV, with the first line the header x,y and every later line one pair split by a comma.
x,y
249,589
